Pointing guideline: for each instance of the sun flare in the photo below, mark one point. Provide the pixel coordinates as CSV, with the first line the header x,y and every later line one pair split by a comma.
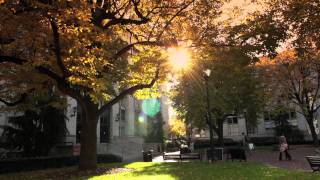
x,y
179,57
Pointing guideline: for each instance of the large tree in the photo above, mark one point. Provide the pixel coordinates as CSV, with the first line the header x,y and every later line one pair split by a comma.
x,y
96,52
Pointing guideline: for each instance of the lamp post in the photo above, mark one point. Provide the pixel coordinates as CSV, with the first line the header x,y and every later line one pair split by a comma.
x,y
208,117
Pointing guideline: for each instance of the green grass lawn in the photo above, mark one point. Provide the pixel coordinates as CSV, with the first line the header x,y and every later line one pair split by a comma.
x,y
154,171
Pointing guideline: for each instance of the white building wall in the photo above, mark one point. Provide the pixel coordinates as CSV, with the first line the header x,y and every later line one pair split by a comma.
x,y
131,117
165,113
115,125
263,129
72,119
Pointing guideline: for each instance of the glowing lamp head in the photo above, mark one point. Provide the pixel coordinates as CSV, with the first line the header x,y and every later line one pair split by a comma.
x,y
207,72
179,57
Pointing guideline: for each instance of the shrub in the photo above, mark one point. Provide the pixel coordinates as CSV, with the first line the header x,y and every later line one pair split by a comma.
x,y
263,140
205,143
27,164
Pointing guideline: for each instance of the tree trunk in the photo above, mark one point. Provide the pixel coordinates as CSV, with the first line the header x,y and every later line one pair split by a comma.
x,y
88,139
312,129
220,133
211,141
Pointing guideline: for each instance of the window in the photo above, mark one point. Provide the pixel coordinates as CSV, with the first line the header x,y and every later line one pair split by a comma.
x,y
122,131
293,115
232,120
123,114
252,130
80,117
105,119
266,116
235,120
233,127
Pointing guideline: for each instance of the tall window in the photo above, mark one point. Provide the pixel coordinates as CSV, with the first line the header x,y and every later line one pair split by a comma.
x,y
293,115
123,114
105,120
266,116
80,117
122,121
233,128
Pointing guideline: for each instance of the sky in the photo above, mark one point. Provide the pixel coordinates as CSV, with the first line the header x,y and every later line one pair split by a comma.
x,y
238,10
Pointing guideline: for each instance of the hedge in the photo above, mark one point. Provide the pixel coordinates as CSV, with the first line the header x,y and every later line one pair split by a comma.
x,y
37,163
205,143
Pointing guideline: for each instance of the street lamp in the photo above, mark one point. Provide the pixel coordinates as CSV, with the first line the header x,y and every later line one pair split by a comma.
x,y
207,73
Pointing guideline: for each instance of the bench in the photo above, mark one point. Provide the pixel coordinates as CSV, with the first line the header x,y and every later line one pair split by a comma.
x,y
179,156
314,162
236,153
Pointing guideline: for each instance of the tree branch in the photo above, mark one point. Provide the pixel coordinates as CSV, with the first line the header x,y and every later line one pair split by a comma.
x,y
20,100
12,59
129,46
172,18
6,40
129,91
51,74
100,14
57,48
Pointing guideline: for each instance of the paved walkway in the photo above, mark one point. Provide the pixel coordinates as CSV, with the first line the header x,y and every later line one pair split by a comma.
x,y
298,154
269,156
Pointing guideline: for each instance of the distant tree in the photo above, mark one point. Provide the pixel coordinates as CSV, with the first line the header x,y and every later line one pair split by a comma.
x,y
39,128
177,128
293,27
233,89
293,80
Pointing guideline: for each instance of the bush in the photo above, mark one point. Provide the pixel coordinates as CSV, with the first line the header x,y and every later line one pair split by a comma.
x,y
263,140
174,145
205,143
27,164
108,158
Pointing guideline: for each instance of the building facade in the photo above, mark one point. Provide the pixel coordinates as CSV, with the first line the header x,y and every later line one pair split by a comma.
x,y
121,130
234,126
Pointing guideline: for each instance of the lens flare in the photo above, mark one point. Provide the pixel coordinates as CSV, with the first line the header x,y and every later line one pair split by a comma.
x,y
141,119
151,107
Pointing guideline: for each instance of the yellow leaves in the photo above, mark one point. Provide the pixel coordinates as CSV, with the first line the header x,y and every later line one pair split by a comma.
x,y
288,56
105,21
75,80
147,93
178,128
87,51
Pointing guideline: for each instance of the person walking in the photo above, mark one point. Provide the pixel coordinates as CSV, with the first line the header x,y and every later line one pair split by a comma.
x,y
244,140
283,147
